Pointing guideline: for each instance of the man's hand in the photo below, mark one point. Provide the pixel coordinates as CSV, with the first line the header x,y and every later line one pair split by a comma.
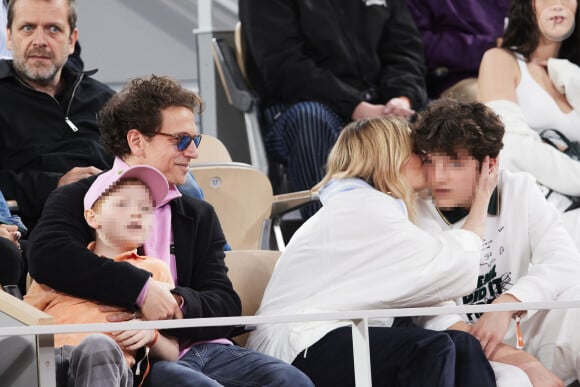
x,y
76,174
159,303
116,313
398,107
11,233
490,330
367,110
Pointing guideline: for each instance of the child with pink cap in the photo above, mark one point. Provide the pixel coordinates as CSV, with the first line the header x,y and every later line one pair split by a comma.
x,y
119,206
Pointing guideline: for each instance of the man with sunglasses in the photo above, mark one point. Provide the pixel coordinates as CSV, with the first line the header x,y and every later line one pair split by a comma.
x,y
152,122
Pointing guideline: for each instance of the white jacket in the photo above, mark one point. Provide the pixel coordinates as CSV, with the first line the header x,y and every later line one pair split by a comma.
x,y
524,150
360,251
526,251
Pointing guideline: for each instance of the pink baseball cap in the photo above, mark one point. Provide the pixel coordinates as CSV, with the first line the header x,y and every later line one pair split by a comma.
x,y
150,176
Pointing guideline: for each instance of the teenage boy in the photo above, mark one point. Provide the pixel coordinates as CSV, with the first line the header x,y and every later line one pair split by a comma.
x,y
120,207
527,255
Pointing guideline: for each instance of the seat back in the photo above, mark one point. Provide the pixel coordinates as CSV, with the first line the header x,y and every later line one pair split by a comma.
x,y
242,98
240,51
212,150
464,90
250,272
242,198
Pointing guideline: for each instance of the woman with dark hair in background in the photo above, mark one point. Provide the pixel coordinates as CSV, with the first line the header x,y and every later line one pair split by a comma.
x,y
533,83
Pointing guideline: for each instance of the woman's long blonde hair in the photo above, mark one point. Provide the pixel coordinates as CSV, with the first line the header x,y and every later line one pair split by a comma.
x,y
374,150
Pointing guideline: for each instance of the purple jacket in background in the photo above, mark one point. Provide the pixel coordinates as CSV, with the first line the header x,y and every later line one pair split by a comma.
x,y
455,34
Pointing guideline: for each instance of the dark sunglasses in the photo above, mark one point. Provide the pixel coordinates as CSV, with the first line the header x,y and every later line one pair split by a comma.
x,y
183,140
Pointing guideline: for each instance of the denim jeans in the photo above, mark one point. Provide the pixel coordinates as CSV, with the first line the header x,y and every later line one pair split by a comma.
x,y
96,361
225,365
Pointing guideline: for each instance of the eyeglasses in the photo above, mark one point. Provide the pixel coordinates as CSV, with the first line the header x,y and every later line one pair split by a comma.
x,y
183,140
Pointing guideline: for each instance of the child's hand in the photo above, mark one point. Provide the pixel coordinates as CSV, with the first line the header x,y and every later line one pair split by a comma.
x,y
133,340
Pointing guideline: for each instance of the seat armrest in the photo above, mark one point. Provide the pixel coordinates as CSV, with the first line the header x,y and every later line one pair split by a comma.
x,y
287,202
23,312
12,205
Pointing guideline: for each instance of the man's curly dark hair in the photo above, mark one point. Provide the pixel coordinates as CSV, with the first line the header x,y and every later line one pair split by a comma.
x,y
138,106
448,125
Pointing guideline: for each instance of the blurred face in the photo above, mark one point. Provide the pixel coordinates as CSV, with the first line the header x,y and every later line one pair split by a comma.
x,y
555,18
160,151
413,171
451,179
124,216
40,40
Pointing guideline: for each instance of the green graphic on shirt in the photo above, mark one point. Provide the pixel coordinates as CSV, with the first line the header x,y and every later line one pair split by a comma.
x,y
489,287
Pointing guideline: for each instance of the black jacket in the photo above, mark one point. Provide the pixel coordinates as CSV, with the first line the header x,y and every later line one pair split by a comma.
x,y
338,52
58,257
37,146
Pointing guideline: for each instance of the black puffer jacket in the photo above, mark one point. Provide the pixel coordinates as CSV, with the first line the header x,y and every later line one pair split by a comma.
x,y
338,52
37,146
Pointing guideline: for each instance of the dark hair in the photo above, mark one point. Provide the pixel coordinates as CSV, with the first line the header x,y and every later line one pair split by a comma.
x,y
522,33
138,106
448,125
72,14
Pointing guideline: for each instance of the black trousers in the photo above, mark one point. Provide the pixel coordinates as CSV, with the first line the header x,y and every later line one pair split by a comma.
x,y
11,263
403,355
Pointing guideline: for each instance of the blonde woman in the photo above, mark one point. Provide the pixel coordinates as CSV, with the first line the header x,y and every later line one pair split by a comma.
x,y
361,251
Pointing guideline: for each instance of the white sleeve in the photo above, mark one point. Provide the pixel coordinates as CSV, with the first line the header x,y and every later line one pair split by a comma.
x,y
565,76
437,267
524,151
555,260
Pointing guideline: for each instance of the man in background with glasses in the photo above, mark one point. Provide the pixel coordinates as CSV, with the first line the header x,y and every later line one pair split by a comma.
x,y
47,108
152,122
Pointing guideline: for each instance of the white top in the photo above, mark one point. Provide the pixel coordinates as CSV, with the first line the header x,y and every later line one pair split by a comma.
x,y
523,148
5,53
541,110
360,251
526,251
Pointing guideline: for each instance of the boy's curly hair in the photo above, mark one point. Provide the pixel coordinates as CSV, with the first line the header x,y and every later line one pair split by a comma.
x,y
448,125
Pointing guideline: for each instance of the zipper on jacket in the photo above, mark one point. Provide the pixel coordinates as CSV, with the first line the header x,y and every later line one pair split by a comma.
x,y
66,117
71,124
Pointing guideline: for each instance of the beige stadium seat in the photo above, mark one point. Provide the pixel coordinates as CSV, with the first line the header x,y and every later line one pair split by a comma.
x,y
243,200
250,271
211,150
241,97
465,90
